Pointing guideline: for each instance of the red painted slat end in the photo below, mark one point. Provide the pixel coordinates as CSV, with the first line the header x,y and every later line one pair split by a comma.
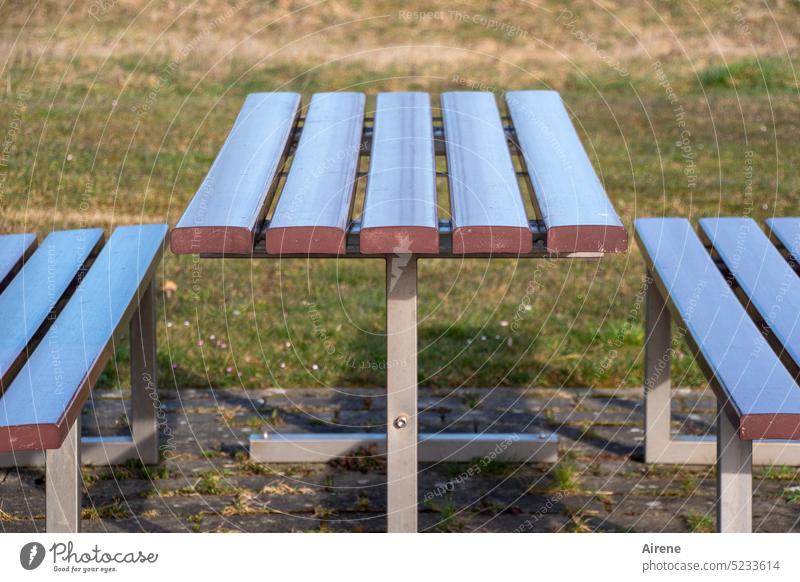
x,y
306,240
492,239
399,240
192,240
769,426
587,239
31,437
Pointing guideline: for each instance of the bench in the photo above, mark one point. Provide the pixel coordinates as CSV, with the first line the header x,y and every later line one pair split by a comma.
x,y
736,299
63,314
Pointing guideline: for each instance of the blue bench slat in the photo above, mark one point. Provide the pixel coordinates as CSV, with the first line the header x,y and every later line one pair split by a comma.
x,y
14,249
313,211
400,208
226,213
786,230
37,288
489,214
770,284
763,395
569,195
47,394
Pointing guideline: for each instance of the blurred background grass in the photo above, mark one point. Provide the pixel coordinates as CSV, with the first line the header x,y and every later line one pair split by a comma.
x,y
111,113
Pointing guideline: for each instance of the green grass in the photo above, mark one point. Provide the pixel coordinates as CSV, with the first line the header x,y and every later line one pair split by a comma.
x,y
117,509
780,473
698,522
564,475
791,494
578,523
751,75
107,133
212,483
451,519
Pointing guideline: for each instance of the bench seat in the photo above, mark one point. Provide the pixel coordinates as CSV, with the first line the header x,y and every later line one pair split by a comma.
x,y
86,311
765,282
737,301
14,249
760,395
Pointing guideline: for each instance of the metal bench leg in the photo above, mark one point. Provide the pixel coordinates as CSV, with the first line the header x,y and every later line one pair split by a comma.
x,y
657,372
401,406
63,484
144,424
734,478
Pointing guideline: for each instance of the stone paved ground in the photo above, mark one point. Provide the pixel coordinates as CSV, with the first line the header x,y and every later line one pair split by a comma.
x,y
208,483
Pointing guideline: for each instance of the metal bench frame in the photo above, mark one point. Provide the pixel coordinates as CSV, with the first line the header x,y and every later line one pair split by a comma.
x,y
661,446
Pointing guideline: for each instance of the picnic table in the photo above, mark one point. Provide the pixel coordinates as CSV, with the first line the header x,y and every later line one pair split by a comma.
x,y
308,160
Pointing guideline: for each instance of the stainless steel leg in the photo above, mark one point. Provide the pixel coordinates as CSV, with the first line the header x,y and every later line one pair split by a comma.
x,y
401,371
144,424
657,381
63,484
734,478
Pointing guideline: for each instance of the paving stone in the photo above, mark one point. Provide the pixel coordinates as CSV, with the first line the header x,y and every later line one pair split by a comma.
x,y
206,482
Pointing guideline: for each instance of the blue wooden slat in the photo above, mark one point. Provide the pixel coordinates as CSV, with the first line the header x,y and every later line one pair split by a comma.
x,y
570,196
313,211
770,284
231,203
786,230
47,394
761,391
14,249
400,208
37,288
485,200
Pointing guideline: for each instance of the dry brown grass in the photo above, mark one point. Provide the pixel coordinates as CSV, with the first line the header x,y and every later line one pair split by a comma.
x,y
529,39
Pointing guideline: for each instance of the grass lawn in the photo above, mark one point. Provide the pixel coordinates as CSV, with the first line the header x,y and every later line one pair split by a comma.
x,y
111,113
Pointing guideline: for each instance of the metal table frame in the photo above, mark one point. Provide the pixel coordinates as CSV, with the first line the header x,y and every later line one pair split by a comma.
x,y
403,445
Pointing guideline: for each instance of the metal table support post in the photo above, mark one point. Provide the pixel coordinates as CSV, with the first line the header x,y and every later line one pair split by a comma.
x,y
402,444
401,405
657,366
